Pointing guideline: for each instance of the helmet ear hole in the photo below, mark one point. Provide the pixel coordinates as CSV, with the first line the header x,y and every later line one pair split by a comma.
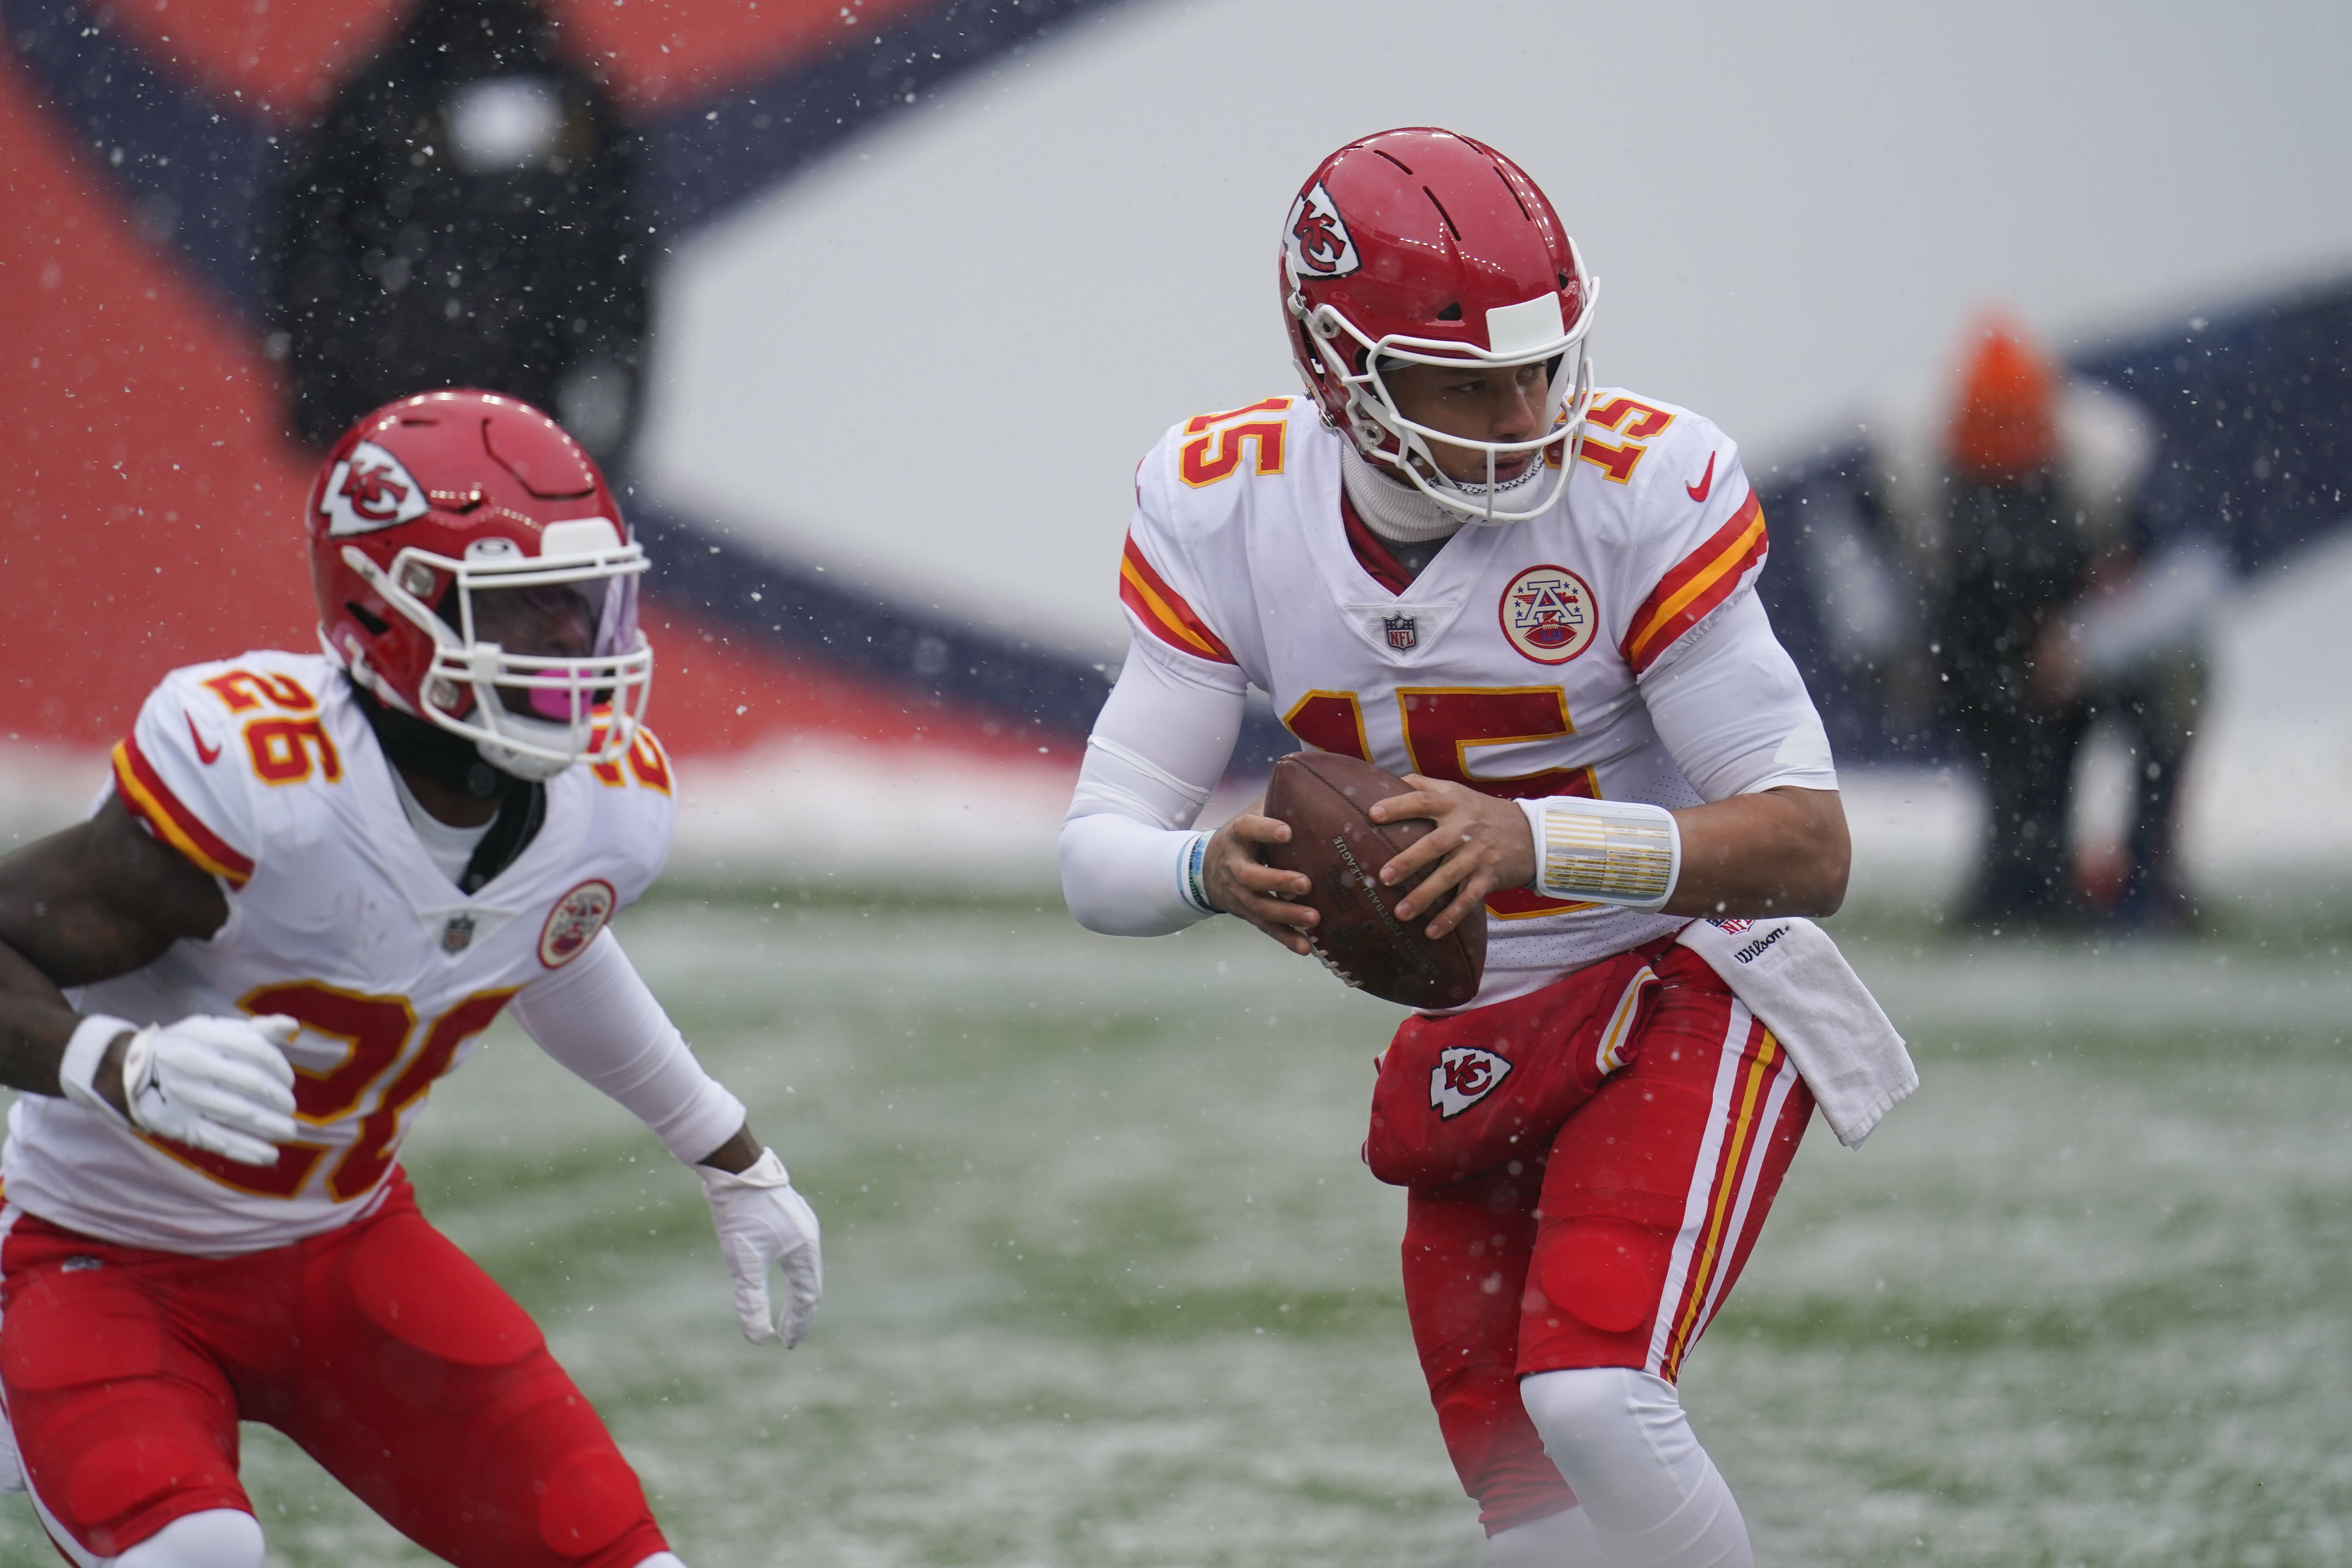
x,y
1452,312
377,625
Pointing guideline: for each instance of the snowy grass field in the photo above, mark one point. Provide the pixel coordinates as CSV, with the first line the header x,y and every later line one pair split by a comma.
x,y
1107,1285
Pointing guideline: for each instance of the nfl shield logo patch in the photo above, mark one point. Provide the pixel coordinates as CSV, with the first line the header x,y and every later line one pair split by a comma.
x,y
1403,630
458,935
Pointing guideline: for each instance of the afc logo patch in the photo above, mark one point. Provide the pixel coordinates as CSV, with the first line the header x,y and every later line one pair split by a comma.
x,y
574,922
367,490
1548,614
1463,1076
1316,238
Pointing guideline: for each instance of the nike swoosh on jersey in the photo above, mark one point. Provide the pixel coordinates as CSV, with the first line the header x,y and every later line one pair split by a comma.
x,y
210,754
1705,480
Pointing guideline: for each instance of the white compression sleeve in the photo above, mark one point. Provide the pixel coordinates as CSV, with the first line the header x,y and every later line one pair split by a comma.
x,y
1158,748
1620,1440
1564,1540
598,1018
214,1538
1734,712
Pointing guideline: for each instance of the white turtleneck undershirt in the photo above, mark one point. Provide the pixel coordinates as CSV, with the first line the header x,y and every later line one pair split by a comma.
x,y
1410,522
1397,512
450,847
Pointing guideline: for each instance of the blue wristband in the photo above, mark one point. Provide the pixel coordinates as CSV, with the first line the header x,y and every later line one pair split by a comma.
x,y
1196,892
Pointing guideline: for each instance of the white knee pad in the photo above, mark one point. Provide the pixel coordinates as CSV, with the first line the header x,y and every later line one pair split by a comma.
x,y
1564,1540
1620,1440
216,1538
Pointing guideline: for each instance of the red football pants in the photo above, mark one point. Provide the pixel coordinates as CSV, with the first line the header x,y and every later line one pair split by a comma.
x,y
1587,1167
379,1348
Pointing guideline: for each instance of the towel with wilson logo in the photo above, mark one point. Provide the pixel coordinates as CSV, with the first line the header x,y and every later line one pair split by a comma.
x,y
1792,975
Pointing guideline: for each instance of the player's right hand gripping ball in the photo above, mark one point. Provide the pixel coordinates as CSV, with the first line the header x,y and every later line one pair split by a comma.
x,y
1325,797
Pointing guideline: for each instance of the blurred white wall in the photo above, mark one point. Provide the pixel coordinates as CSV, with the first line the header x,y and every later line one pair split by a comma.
x,y
932,364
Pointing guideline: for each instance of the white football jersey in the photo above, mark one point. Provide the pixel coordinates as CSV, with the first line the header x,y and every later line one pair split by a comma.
x,y
264,772
1513,663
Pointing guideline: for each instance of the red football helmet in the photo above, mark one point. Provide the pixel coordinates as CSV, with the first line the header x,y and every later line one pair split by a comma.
x,y
1420,247
428,504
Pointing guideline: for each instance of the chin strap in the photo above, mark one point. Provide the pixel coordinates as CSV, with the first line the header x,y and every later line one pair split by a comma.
x,y
517,824
412,745
452,761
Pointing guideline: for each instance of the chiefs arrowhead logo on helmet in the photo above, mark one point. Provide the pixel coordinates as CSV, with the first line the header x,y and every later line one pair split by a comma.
x,y
369,490
1317,240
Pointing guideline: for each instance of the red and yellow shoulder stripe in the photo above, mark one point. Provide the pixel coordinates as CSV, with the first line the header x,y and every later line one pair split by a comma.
x,y
1689,592
143,791
1162,608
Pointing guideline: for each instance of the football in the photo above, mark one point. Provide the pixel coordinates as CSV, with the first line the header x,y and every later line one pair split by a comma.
x,y
1324,797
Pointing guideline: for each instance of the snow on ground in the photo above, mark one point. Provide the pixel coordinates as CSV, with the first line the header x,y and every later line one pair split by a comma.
x,y
1107,1286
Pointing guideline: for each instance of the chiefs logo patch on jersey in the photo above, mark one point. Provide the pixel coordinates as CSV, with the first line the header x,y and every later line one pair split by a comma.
x,y
574,922
1548,614
1317,238
369,489
1463,1076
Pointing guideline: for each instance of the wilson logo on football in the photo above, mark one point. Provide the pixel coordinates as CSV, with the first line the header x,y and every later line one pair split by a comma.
x,y
574,922
367,490
1548,614
1463,1076
1317,238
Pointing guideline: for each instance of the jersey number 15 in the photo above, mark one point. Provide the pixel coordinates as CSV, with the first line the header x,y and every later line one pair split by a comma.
x,y
1442,723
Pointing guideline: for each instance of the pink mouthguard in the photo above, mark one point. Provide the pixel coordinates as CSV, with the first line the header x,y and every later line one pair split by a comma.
x,y
565,706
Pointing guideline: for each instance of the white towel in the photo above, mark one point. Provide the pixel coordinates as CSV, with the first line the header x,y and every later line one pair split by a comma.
x,y
1792,975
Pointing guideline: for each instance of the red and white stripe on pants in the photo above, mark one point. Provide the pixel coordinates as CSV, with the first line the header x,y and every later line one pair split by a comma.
x,y
1591,1204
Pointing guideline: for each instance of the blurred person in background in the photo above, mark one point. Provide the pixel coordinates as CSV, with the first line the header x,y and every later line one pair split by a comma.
x,y
462,217
2057,598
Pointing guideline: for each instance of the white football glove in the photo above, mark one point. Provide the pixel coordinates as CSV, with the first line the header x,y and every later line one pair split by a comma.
x,y
761,1223
219,1084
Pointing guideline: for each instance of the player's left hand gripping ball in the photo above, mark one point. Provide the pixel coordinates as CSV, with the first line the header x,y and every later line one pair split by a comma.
x,y
764,1223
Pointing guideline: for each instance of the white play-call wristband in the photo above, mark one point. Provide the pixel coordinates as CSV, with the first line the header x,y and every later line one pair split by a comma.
x,y
1605,852
84,1051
